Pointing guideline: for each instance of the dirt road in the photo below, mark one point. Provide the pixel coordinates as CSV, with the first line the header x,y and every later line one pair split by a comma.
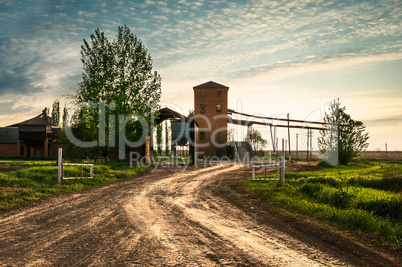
x,y
169,217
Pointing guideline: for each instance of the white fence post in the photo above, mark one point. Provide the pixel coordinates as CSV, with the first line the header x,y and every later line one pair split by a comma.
x,y
60,165
282,171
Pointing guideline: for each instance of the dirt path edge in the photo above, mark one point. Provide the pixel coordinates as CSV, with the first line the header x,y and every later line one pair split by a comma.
x,y
354,248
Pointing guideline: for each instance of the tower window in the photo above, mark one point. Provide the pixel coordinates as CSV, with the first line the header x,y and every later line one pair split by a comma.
x,y
202,135
202,108
202,92
218,92
219,108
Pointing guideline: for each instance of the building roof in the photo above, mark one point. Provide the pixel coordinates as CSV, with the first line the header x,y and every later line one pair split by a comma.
x,y
38,120
9,135
211,84
167,113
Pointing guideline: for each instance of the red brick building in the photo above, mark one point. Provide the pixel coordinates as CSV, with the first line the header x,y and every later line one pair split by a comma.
x,y
210,111
35,137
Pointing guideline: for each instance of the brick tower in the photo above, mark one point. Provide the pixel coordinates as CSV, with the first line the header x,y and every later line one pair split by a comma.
x,y
211,104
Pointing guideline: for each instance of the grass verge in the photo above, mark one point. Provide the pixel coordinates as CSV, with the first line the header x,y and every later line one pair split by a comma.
x,y
363,196
40,180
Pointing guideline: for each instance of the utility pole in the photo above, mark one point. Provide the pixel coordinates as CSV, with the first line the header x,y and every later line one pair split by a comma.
x,y
277,144
311,144
297,145
386,150
308,132
286,144
289,156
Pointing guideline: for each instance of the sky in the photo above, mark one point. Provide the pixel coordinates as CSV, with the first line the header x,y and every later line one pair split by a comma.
x,y
277,57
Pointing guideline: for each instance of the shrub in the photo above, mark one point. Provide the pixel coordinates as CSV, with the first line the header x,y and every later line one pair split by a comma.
x,y
341,199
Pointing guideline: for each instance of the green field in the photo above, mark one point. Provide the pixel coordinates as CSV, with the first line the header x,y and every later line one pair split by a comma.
x,y
39,180
363,197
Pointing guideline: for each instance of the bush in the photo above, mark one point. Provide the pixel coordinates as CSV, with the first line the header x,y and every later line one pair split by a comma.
x,y
341,199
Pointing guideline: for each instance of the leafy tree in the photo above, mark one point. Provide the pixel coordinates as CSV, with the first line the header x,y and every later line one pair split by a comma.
x,y
167,138
118,74
344,136
256,140
56,113
64,115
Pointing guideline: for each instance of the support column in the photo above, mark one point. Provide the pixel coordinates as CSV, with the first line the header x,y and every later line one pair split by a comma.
x,y
45,148
25,150
32,152
148,150
51,149
18,147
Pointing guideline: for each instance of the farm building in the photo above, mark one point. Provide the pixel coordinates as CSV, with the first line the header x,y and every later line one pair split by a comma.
x,y
35,137
210,111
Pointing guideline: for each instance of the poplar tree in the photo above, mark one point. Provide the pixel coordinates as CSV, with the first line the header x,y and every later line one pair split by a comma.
x,y
159,138
56,113
344,137
167,138
118,73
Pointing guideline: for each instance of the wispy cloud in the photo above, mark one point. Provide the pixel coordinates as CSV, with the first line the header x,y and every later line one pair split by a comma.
x,y
192,40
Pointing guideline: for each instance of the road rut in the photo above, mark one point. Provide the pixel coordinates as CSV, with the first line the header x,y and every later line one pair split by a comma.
x,y
167,217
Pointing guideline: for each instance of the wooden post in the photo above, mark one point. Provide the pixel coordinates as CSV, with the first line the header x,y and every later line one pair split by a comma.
x,y
91,171
60,165
82,167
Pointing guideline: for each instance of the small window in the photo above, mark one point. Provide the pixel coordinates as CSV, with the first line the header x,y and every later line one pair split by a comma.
x,y
219,108
218,92
202,92
202,135
202,108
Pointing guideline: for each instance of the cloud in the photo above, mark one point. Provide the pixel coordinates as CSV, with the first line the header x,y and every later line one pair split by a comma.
x,y
390,120
19,79
333,60
192,39
87,14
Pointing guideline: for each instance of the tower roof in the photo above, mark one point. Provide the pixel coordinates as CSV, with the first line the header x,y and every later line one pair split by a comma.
x,y
211,84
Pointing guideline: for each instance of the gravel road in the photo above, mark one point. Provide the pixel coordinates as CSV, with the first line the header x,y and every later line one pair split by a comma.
x,y
168,217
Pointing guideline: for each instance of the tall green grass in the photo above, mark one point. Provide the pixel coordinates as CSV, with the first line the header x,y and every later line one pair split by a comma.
x,y
363,196
41,181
